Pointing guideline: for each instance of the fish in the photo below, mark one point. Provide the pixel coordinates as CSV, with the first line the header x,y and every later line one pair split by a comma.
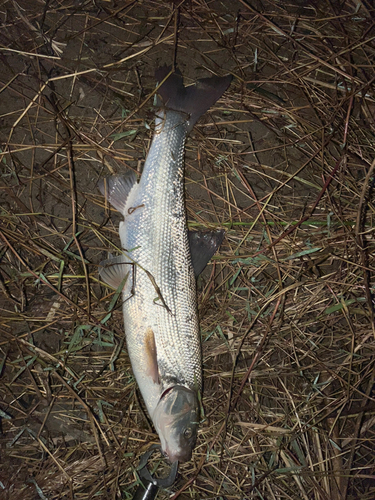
x,y
159,263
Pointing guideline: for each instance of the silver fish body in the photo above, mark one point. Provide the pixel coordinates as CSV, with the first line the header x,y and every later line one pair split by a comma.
x,y
159,294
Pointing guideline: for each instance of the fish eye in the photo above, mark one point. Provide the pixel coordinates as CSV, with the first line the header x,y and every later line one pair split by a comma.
x,y
188,433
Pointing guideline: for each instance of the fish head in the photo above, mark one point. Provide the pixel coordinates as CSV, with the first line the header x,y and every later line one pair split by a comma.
x,y
176,420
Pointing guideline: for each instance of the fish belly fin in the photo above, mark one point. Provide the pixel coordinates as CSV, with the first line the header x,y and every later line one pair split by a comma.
x,y
193,100
203,245
152,361
116,272
117,188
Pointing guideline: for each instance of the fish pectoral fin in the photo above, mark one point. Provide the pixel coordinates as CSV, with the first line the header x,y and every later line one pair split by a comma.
x,y
151,355
117,188
117,272
203,245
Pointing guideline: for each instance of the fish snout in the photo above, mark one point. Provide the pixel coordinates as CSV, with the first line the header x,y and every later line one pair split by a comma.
x,y
178,455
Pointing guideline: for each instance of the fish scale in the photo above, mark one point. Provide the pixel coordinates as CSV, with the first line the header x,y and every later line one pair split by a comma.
x,y
159,296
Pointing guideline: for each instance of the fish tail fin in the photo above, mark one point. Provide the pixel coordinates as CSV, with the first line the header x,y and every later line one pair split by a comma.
x,y
193,100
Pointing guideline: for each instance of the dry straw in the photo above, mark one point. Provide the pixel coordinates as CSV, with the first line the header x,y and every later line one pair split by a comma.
x,y
284,162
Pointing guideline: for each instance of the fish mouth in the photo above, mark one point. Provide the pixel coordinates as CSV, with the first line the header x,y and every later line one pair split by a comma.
x,y
181,456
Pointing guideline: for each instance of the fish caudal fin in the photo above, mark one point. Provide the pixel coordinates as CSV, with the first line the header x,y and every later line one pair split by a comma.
x,y
193,100
117,188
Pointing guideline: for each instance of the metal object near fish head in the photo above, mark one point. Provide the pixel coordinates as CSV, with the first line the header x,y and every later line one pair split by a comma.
x,y
150,485
176,419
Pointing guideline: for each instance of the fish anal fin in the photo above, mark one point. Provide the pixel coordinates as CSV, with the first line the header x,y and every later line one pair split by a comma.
x,y
114,271
152,369
117,188
203,245
193,100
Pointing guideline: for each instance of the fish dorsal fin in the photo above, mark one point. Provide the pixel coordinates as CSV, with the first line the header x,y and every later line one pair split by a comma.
x,y
114,271
203,245
193,100
117,188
